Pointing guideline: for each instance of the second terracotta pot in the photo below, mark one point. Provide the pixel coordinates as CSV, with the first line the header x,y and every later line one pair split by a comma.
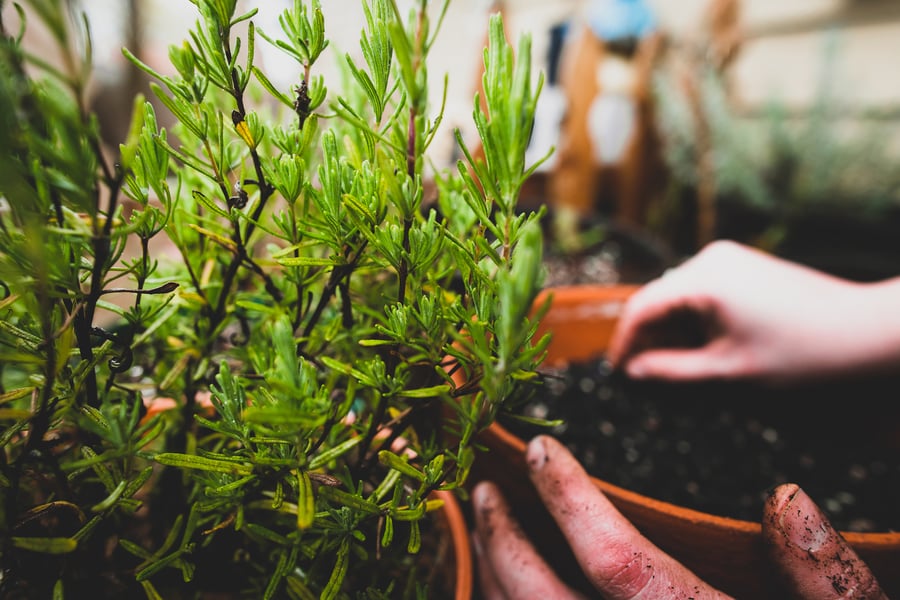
x,y
462,548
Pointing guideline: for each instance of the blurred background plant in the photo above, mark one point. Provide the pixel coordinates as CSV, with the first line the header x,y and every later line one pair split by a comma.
x,y
820,186
274,269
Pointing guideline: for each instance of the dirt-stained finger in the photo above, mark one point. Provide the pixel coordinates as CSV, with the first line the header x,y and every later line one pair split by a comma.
x,y
814,558
620,562
515,566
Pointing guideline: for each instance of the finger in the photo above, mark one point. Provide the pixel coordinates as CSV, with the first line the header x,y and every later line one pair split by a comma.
x,y
620,562
642,307
516,566
715,360
487,581
660,315
814,558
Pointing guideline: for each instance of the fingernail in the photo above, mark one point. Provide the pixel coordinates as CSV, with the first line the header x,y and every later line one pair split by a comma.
x,y
482,495
802,523
536,455
635,369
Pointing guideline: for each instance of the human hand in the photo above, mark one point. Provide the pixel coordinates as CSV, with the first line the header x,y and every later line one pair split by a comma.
x,y
622,564
753,316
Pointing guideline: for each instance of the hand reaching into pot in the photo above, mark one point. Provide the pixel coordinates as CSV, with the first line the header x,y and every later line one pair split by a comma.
x,y
734,312
623,565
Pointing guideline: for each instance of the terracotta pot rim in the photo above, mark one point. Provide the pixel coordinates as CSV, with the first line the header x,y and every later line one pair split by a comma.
x,y
588,290
462,549
683,513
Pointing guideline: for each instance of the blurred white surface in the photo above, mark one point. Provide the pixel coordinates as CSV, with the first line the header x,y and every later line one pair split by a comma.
x,y
782,58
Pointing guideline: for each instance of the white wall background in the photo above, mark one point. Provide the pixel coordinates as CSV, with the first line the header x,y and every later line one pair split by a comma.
x,y
783,56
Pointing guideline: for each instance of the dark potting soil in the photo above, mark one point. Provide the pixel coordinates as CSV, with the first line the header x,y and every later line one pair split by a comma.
x,y
721,447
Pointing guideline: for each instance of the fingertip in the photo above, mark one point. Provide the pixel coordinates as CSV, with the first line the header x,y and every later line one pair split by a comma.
x,y
547,458
617,342
491,511
636,369
799,520
536,453
485,494
809,552
635,313
779,498
622,339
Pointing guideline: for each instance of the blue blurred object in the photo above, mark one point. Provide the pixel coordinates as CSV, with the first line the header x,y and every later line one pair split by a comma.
x,y
612,20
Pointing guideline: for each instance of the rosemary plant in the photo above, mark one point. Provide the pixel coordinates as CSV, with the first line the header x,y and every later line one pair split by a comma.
x,y
331,334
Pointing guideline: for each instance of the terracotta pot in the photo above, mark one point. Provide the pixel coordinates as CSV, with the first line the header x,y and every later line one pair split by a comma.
x,y
727,553
462,548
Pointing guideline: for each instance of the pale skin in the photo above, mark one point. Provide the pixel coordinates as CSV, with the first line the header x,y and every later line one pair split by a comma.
x,y
754,317
622,564
757,317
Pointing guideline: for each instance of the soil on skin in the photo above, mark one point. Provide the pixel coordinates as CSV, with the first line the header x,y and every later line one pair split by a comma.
x,y
720,448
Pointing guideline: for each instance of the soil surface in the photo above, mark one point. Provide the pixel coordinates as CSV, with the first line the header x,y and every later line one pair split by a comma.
x,y
619,254
720,448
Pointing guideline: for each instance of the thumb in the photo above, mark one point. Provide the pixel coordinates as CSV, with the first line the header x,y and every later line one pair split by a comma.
x,y
814,558
682,364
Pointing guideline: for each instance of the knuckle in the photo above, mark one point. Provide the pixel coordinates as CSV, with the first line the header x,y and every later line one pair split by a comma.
x,y
621,579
